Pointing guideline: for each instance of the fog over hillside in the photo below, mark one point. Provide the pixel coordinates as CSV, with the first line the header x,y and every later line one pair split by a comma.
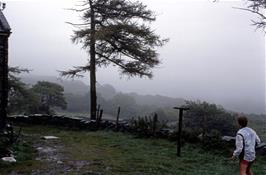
x,y
77,87
214,53
108,91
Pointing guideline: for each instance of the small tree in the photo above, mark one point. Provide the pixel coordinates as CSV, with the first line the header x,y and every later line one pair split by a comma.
x,y
50,94
116,32
21,98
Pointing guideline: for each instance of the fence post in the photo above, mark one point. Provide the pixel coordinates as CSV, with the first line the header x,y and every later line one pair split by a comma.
x,y
179,134
99,118
98,111
155,120
117,117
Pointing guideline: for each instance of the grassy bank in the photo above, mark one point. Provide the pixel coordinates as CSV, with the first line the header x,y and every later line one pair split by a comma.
x,y
110,153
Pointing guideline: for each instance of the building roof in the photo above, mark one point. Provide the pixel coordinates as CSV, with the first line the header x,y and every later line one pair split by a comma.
x,y
4,26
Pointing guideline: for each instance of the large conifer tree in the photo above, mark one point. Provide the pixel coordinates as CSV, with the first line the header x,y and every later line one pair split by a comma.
x,y
116,32
257,7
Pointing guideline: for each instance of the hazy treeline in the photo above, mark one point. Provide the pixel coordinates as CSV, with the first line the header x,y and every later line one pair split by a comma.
x,y
202,118
132,104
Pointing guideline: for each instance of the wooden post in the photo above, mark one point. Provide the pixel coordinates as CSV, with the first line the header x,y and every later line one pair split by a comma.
x,y
117,117
98,111
99,118
155,120
179,136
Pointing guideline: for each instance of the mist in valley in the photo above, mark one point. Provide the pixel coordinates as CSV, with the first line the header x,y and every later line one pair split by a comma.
x,y
214,53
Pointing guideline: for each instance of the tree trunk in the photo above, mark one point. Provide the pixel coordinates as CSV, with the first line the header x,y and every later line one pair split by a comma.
x,y
93,66
3,81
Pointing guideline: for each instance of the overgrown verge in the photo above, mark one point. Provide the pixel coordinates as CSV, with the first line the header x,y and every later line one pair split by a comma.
x,y
25,157
114,153
8,138
148,126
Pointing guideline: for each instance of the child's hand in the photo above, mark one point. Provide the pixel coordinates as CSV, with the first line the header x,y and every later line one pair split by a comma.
x,y
233,158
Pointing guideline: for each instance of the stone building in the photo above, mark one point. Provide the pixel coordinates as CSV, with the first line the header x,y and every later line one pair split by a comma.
x,y
5,32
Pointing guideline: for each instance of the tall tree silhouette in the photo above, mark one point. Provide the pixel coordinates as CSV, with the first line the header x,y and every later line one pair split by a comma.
x,y
257,7
116,32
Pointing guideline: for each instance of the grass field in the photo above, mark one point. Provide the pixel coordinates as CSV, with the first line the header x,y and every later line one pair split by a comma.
x,y
109,153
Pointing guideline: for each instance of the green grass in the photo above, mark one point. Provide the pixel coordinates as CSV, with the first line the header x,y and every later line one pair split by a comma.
x,y
112,153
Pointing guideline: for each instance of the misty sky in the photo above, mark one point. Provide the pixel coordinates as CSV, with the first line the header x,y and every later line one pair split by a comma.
x,y
214,53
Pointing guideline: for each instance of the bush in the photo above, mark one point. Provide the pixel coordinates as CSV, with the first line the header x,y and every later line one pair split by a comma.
x,y
213,142
5,147
191,135
8,138
23,151
188,135
147,126
206,117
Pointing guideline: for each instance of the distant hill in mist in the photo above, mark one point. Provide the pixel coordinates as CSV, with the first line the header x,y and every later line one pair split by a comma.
x,y
107,91
78,87
157,100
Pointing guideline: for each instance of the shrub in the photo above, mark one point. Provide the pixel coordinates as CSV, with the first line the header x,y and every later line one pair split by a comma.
x,y
147,126
190,135
213,142
206,117
5,147
7,140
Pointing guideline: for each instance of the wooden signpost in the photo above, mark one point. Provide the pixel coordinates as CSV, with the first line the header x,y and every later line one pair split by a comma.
x,y
178,147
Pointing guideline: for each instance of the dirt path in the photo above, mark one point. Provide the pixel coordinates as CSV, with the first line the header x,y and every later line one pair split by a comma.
x,y
53,158
52,154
